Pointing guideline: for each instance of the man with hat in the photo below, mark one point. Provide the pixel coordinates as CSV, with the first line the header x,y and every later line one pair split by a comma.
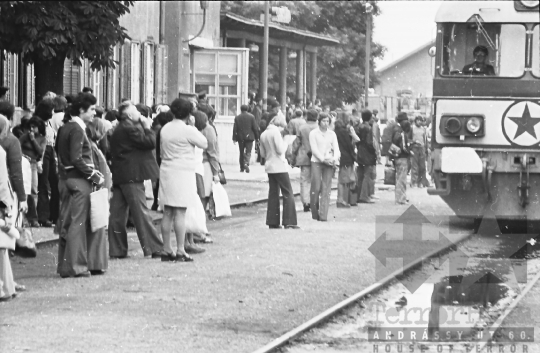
x,y
245,131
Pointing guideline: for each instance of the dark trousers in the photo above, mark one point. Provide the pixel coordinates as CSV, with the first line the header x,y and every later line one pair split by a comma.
x,y
48,200
418,166
79,249
280,181
321,186
131,197
245,153
365,182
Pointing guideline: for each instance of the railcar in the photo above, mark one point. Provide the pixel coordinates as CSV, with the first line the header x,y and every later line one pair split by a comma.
x,y
486,108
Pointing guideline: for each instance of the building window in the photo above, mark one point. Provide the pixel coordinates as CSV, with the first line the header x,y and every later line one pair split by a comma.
x,y
218,73
10,77
135,73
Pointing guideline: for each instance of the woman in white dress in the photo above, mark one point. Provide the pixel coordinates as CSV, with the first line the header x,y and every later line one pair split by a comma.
x,y
177,176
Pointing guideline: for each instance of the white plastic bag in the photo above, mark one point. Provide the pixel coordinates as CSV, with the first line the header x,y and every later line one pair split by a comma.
x,y
148,190
196,218
99,209
221,200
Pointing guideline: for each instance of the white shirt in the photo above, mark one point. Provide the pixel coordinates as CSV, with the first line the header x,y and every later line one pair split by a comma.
x,y
324,145
199,168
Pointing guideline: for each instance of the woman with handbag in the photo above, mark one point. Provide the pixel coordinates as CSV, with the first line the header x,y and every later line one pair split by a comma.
x,y
400,141
324,158
346,176
177,176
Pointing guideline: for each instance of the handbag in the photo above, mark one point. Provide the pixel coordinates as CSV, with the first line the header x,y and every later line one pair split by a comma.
x,y
25,246
394,150
99,209
390,175
221,175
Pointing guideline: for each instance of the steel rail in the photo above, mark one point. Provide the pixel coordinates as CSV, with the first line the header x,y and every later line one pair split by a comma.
x,y
325,315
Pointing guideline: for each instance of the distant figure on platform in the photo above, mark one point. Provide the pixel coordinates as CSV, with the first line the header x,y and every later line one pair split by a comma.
x,y
303,157
324,158
273,149
367,159
245,131
132,143
400,138
418,159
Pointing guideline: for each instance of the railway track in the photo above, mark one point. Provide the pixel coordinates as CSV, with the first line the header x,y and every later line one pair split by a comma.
x,y
497,272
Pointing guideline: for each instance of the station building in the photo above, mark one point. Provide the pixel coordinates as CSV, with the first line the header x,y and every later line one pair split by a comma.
x,y
178,48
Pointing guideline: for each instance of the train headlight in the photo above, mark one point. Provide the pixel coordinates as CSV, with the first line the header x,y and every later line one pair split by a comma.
x,y
530,3
453,125
474,125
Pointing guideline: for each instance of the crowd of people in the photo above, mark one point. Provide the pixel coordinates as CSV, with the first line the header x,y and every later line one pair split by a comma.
x,y
324,143
69,147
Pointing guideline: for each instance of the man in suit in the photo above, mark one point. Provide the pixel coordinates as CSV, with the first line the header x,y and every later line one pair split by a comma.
x,y
366,159
245,131
132,163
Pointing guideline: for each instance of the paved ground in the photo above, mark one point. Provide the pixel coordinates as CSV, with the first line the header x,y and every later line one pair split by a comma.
x,y
252,285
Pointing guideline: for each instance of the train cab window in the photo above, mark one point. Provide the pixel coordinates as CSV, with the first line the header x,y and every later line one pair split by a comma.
x,y
536,51
483,49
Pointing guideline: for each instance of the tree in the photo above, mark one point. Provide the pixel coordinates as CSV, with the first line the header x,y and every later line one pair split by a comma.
x,y
340,69
45,33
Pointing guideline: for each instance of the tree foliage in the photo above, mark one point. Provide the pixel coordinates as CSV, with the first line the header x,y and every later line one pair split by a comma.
x,y
46,30
340,68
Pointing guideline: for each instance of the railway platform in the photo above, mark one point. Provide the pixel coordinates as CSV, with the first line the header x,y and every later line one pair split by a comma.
x,y
252,285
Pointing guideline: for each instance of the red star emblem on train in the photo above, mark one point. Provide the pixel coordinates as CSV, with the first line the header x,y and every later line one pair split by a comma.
x,y
521,123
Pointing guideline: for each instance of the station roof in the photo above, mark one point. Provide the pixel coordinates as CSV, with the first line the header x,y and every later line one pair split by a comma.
x,y
230,21
406,56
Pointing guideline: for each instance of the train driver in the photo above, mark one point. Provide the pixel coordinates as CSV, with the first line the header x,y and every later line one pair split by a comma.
x,y
479,66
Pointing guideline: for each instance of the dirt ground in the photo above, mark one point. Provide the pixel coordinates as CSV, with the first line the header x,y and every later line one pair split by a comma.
x,y
252,285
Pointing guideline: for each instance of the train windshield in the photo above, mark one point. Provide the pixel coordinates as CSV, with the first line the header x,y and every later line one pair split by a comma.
x,y
483,49
536,51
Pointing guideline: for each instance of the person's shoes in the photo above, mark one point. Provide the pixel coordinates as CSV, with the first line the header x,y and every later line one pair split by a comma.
x,y
246,168
202,239
183,258
168,257
307,207
8,298
274,227
97,272
290,226
193,249
47,224
84,274
342,205
158,254
374,197
119,257
241,170
154,207
20,288
366,201
34,224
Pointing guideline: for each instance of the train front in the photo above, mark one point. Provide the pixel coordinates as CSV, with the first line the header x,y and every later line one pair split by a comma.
x,y
486,106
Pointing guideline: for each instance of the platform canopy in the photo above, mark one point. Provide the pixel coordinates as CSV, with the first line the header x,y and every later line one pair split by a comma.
x,y
240,27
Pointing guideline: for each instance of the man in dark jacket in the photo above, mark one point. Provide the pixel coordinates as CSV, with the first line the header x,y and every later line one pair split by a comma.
x,y
132,163
245,131
366,159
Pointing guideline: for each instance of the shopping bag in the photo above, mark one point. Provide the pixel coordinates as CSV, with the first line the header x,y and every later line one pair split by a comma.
x,y
148,190
99,209
25,246
389,175
221,201
27,175
196,218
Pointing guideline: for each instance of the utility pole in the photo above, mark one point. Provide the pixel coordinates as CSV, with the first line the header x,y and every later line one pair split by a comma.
x,y
264,63
369,8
